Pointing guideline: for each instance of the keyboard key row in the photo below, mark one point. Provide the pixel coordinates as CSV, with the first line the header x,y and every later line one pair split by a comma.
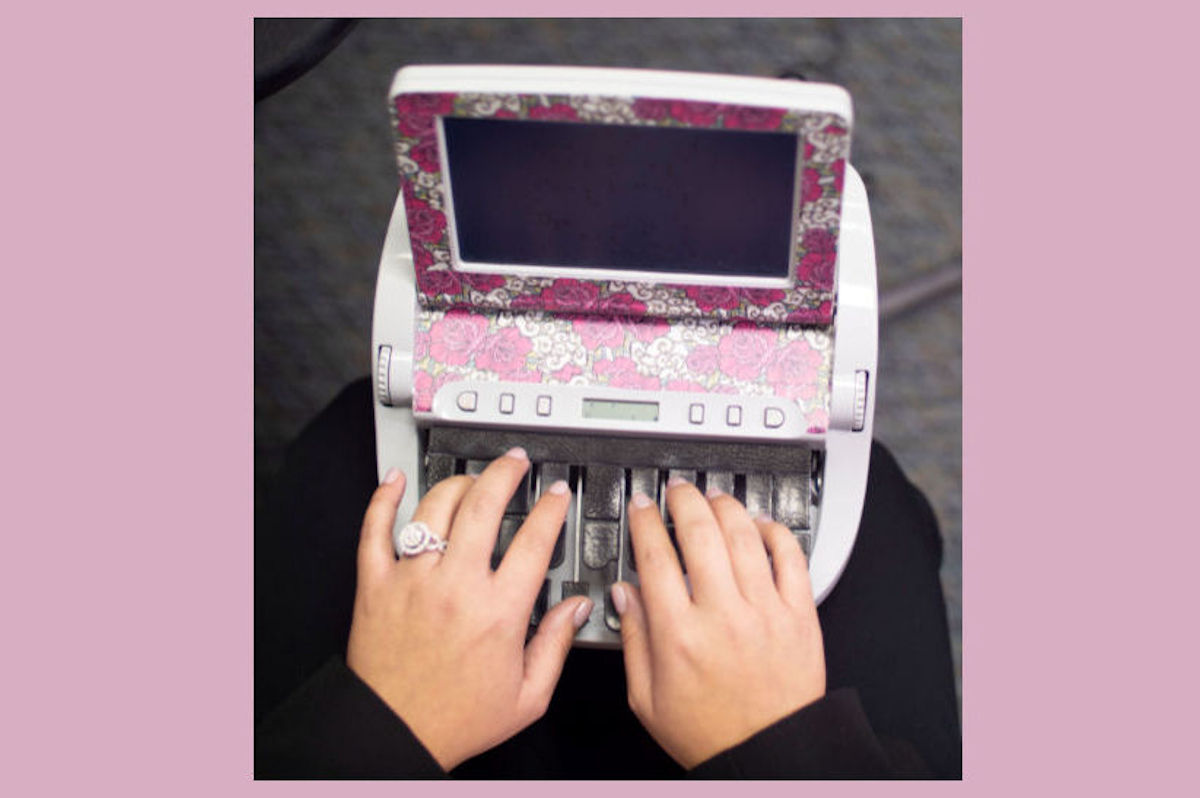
x,y
593,549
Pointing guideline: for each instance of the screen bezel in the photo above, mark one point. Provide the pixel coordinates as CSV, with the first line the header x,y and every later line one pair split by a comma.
x,y
822,129
616,273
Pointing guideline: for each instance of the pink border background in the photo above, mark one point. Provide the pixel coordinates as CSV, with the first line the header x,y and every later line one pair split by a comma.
x,y
128,512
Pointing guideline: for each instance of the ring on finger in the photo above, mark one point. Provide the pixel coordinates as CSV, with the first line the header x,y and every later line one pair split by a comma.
x,y
415,538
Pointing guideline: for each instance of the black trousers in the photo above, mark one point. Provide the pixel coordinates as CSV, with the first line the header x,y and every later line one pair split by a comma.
x,y
884,624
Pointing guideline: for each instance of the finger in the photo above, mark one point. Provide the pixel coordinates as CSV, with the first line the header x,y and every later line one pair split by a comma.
x,y
477,521
436,510
659,571
546,653
747,553
635,643
376,554
528,557
702,544
789,563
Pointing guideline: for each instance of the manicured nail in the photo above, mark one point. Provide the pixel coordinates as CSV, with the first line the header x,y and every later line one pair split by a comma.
x,y
582,612
764,518
619,599
517,453
713,492
673,481
640,500
559,488
391,476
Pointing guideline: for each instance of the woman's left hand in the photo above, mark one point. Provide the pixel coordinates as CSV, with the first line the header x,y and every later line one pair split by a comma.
x,y
440,637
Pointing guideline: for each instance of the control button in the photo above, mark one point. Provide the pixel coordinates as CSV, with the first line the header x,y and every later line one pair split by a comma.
x,y
733,416
507,403
543,405
467,400
696,413
773,418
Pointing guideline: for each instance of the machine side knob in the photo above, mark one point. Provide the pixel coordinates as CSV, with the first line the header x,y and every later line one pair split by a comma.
x,y
860,401
393,377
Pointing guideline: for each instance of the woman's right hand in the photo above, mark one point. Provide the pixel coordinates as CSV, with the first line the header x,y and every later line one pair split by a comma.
x,y
708,670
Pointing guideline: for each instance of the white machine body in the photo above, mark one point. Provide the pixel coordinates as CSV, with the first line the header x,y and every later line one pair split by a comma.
x,y
845,443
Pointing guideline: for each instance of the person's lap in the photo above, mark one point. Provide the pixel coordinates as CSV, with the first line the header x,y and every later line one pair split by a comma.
x,y
884,624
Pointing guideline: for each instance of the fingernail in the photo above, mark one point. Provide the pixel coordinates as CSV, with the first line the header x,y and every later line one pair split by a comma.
x,y
640,500
582,612
517,453
713,492
764,518
619,598
559,488
391,476
673,481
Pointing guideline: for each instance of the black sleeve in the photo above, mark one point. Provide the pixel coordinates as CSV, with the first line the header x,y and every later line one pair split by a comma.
x,y
336,727
828,739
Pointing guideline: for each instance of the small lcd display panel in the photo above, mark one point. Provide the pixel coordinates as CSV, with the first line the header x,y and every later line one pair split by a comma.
x,y
616,410
620,197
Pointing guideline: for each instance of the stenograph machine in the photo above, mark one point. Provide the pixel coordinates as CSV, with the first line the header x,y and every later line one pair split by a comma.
x,y
633,275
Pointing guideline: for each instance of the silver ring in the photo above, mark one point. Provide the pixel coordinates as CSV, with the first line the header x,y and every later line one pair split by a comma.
x,y
416,538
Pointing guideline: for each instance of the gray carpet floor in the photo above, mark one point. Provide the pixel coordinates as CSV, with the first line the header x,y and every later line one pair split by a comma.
x,y
325,182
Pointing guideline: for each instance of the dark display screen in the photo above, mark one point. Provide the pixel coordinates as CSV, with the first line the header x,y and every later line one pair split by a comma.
x,y
656,199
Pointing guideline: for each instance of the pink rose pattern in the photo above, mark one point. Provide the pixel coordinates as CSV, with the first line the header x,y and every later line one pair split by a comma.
x,y
455,337
791,361
808,301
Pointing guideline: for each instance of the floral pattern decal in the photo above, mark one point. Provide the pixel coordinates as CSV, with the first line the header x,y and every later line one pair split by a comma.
x,y
791,361
809,300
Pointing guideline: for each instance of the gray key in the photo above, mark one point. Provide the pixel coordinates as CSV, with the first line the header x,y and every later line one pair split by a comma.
x,y
475,466
644,480
539,606
611,619
680,473
519,503
603,492
553,472
556,559
758,494
804,538
574,589
721,480
600,541
437,468
508,529
791,500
